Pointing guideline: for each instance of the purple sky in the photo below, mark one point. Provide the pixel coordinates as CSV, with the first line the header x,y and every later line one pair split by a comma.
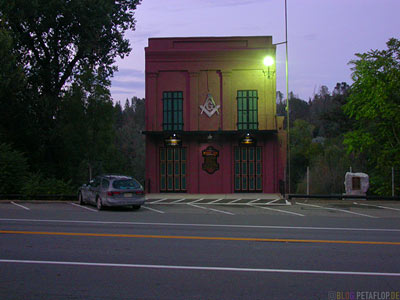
x,y
323,35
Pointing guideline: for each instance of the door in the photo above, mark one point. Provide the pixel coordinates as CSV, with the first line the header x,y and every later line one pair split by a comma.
x,y
173,169
248,169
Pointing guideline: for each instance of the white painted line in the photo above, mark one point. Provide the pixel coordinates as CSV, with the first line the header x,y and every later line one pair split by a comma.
x,y
274,209
336,209
236,200
91,209
163,199
216,210
273,201
177,201
203,225
380,206
212,202
196,200
288,203
253,201
152,209
197,268
19,205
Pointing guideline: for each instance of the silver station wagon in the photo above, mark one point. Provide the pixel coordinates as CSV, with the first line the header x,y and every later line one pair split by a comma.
x,y
112,190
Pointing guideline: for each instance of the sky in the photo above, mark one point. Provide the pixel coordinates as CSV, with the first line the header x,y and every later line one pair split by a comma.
x,y
323,36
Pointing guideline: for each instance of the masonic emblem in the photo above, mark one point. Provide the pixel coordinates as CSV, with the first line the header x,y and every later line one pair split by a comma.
x,y
209,107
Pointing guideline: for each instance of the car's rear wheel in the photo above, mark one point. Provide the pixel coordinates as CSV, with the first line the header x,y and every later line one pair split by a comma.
x,y
80,198
99,205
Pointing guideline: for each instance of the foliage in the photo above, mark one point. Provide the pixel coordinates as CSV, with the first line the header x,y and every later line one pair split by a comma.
x,y
36,184
13,170
374,104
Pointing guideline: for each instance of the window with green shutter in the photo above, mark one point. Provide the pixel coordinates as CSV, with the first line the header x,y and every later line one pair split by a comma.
x,y
247,110
172,111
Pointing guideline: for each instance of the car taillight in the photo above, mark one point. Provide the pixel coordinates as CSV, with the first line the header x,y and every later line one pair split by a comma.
x,y
139,192
113,193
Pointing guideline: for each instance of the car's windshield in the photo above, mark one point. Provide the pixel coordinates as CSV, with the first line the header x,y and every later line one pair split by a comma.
x,y
124,184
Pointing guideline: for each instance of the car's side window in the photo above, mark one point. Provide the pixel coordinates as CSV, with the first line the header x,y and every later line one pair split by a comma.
x,y
105,184
96,182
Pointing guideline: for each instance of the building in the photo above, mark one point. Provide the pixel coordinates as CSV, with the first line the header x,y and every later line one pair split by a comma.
x,y
211,123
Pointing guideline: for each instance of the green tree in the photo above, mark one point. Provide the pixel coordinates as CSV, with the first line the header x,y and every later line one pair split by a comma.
x,y
374,103
57,44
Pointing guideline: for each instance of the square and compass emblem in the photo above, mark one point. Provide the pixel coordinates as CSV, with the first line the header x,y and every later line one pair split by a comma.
x,y
209,107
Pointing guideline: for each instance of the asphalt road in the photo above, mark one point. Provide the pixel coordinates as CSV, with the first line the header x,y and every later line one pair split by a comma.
x,y
324,251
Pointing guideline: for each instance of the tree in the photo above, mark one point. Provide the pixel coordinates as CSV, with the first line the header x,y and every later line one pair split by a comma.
x,y
374,104
58,44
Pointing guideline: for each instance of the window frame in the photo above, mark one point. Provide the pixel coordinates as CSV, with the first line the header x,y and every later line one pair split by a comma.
x,y
247,109
172,102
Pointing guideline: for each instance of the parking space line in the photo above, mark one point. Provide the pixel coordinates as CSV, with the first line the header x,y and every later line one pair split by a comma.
x,y
236,200
179,200
380,206
163,199
215,201
254,201
337,209
77,205
19,205
152,209
274,209
216,210
273,201
198,200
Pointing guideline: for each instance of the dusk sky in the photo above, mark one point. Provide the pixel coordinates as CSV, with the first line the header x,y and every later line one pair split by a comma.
x,y
323,35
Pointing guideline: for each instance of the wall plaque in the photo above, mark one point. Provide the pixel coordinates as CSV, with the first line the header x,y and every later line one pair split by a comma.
x,y
210,164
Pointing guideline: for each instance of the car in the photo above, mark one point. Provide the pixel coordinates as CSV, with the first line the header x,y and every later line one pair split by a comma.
x,y
112,190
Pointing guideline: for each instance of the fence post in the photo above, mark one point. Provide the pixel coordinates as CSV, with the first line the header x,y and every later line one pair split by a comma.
x,y
392,181
308,180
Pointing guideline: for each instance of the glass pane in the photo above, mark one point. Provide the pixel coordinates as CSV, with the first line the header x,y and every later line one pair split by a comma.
x,y
163,187
183,153
251,154
237,183
244,168
251,183
176,168
169,153
177,183
244,153
244,183
237,168
258,183
183,168
162,168
169,168
251,168
183,183
258,168
176,154
170,182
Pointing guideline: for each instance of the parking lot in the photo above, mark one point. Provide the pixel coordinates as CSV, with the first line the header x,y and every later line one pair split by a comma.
x,y
223,206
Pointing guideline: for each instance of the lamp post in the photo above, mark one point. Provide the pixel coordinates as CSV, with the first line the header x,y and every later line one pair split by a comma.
x,y
268,61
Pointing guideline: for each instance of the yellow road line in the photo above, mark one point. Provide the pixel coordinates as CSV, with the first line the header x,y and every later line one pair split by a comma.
x,y
197,237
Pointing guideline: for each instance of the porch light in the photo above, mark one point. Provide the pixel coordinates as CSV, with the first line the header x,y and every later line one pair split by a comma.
x,y
247,140
173,140
268,61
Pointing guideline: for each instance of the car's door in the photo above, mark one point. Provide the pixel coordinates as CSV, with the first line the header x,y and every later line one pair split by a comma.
x,y
93,189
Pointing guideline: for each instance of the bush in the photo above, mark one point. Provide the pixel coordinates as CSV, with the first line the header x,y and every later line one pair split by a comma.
x,y
13,170
36,184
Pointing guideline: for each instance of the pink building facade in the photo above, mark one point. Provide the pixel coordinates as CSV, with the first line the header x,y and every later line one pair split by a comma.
x,y
211,123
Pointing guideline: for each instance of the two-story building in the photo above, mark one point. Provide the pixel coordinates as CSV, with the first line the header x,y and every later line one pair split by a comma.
x,y
211,123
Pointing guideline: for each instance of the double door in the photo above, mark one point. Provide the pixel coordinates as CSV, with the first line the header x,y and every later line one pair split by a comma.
x,y
248,169
173,169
